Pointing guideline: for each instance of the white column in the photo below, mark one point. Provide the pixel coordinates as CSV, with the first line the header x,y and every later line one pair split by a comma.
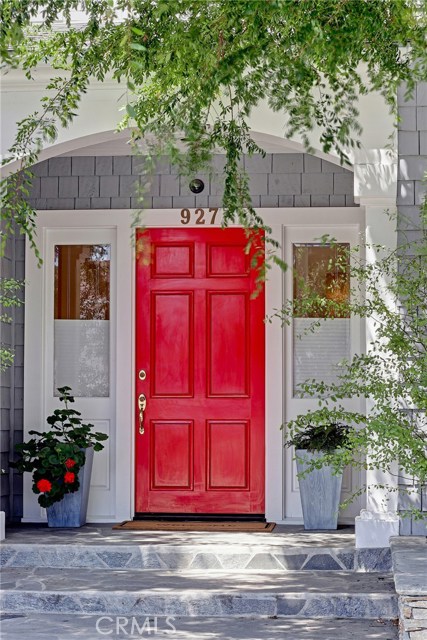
x,y
375,188
274,452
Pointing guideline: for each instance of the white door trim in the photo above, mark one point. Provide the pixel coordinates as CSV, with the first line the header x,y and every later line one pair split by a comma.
x,y
35,341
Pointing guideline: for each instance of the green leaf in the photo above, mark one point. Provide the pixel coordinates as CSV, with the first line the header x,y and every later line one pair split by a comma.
x,y
130,111
138,47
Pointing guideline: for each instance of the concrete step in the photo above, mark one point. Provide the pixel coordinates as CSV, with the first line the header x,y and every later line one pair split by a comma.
x,y
93,627
301,594
179,557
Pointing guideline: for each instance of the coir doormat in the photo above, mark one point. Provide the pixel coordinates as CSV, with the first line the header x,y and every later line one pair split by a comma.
x,y
158,525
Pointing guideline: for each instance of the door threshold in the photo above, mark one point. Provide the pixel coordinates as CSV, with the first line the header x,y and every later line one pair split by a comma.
x,y
201,517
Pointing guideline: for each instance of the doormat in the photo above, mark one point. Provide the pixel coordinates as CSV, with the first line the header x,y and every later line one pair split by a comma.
x,y
157,525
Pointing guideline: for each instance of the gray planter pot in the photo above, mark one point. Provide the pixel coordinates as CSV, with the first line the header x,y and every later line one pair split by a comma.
x,y
72,509
320,493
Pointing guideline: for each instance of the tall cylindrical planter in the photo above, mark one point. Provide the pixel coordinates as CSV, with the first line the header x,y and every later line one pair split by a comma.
x,y
72,509
320,492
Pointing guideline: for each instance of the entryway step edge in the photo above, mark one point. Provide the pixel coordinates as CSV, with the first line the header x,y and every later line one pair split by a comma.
x,y
53,626
122,592
196,557
298,605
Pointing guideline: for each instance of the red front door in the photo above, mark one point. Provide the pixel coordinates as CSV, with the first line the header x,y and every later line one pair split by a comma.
x,y
200,342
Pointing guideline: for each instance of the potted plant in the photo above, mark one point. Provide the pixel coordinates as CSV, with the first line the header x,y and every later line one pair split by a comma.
x,y
60,460
319,475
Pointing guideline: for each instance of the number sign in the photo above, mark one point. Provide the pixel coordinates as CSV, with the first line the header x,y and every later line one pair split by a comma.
x,y
199,216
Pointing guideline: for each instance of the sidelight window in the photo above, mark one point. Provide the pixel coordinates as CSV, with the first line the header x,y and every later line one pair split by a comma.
x,y
82,319
321,323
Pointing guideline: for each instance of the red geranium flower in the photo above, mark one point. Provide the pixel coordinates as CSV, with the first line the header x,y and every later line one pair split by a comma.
x,y
69,477
44,485
69,463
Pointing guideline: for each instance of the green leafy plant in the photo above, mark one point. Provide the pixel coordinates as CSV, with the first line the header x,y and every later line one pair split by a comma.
x,y
9,298
55,457
327,437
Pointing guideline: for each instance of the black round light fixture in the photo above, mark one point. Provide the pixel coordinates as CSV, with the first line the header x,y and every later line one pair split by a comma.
x,y
197,185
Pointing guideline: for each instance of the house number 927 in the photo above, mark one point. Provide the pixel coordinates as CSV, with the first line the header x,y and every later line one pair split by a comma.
x,y
199,216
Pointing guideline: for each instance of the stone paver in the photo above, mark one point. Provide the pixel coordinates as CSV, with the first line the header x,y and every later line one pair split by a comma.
x,y
216,581
195,557
409,556
66,627
219,593
410,564
282,535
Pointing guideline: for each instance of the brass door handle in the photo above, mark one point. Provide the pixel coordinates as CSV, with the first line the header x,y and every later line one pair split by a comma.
x,y
142,404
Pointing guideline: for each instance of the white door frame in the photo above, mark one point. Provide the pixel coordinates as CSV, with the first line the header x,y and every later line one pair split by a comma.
x,y
352,478
72,227
36,348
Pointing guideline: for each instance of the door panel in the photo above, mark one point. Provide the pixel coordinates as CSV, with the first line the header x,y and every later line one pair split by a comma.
x,y
171,343
228,454
200,340
175,436
172,260
228,333
227,261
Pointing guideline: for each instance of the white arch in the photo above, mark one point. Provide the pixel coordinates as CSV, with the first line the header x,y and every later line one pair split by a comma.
x,y
101,109
112,142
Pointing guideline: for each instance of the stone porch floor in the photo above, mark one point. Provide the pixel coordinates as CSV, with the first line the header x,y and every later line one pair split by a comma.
x,y
102,534
287,548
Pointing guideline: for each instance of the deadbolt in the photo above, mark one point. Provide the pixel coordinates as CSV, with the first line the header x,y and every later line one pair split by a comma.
x,y
142,374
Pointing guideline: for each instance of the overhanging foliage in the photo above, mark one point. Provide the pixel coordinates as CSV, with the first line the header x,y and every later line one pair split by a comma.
x,y
194,70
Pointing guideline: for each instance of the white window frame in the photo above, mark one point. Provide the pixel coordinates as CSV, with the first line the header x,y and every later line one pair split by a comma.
x,y
353,478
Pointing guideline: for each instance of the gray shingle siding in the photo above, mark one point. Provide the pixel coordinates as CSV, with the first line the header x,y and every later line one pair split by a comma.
x,y
412,149
12,384
106,182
